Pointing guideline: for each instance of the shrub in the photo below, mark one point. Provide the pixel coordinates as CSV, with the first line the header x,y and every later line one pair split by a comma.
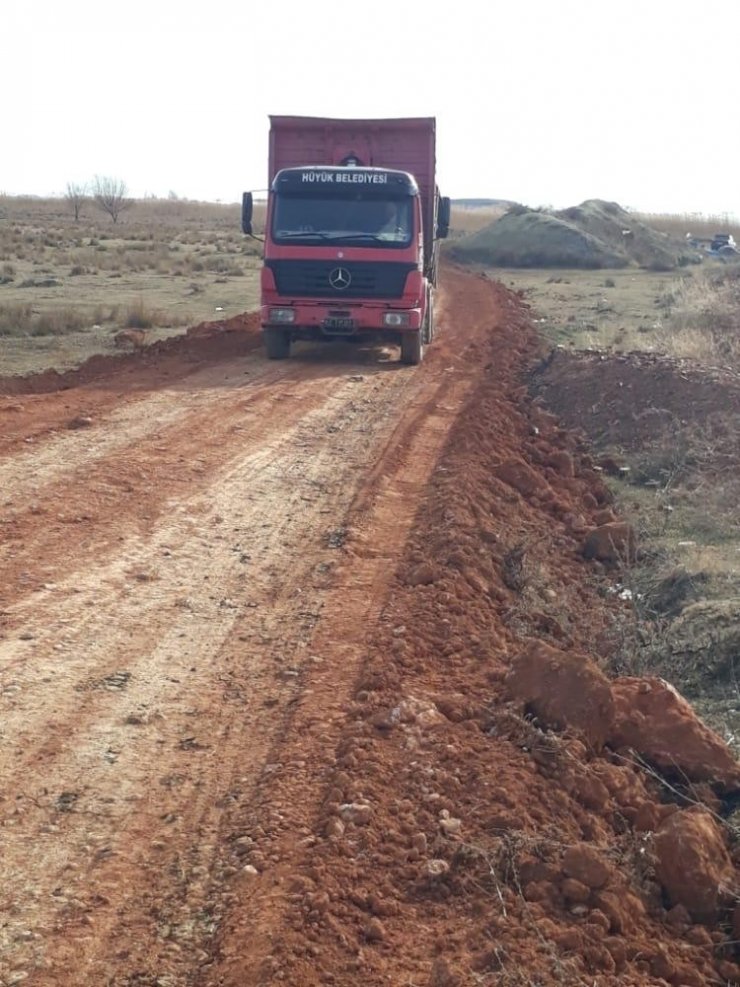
x,y
15,320
138,316
19,320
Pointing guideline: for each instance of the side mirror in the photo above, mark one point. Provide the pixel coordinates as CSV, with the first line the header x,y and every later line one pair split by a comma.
x,y
247,213
443,217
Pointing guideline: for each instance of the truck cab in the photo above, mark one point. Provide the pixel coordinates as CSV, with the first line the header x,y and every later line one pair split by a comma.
x,y
350,247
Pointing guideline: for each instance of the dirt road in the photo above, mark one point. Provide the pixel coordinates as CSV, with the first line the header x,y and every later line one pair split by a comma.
x,y
174,587
256,618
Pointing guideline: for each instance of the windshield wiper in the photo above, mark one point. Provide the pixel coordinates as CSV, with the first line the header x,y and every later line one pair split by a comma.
x,y
289,234
296,234
362,236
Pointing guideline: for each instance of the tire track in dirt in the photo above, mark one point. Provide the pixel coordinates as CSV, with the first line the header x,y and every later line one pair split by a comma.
x,y
164,663
83,505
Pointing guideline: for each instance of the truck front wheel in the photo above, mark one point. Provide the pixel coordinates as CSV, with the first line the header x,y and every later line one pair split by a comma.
x,y
412,348
277,344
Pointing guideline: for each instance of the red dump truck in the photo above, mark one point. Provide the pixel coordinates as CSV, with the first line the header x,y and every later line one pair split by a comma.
x,y
353,223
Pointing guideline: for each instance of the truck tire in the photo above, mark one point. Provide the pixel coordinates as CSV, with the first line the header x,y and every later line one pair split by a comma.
x,y
277,344
412,348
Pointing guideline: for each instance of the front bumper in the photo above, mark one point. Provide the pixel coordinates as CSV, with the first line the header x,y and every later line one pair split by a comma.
x,y
325,319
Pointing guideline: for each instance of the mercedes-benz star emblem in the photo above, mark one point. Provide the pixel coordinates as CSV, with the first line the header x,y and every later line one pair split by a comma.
x,y
340,278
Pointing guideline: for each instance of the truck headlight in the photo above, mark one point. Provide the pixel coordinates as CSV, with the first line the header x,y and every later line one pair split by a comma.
x,y
396,319
282,315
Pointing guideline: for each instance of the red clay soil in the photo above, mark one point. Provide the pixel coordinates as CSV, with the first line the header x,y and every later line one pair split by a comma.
x,y
376,746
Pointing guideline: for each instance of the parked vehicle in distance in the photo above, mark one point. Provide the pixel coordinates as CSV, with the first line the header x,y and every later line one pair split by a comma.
x,y
719,245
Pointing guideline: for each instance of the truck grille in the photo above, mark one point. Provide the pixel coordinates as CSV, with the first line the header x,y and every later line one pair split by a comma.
x,y
339,279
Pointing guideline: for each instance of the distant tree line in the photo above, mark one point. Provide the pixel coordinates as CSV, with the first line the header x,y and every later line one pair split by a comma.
x,y
110,195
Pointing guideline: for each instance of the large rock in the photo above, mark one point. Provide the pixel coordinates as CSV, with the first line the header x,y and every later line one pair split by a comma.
x,y
584,864
613,543
692,862
658,723
563,689
519,475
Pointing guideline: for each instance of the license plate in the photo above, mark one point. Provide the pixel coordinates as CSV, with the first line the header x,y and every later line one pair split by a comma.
x,y
339,325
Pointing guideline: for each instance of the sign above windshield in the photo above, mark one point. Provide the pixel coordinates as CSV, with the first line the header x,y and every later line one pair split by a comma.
x,y
297,180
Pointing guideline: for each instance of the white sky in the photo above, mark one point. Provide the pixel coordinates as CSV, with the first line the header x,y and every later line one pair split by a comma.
x,y
547,102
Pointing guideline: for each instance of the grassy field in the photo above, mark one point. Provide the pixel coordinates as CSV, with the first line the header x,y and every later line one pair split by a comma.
x,y
67,287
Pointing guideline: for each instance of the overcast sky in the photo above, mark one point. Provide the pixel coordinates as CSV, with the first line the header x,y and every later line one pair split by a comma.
x,y
546,102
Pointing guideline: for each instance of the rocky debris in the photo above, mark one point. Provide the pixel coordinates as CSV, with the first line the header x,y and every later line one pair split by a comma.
x,y
419,712
421,575
613,543
134,339
450,825
358,813
523,478
692,862
563,689
334,828
562,462
436,867
80,421
652,718
374,930
583,864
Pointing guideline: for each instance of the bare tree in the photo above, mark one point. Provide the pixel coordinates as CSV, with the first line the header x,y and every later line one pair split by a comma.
x,y
76,196
110,196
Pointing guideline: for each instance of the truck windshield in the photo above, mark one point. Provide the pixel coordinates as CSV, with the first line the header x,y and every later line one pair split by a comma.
x,y
379,222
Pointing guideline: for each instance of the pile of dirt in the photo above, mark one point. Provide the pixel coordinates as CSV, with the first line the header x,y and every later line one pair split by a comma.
x,y
596,234
206,341
630,401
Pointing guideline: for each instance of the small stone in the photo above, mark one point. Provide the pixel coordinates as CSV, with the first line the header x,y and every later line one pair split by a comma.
x,y
450,826
421,575
575,891
374,930
250,871
80,421
419,842
357,812
437,868
583,863
334,828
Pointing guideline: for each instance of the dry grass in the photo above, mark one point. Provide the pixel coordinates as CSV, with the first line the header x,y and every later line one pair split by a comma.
x,y
470,219
66,286
694,223
21,320
702,320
